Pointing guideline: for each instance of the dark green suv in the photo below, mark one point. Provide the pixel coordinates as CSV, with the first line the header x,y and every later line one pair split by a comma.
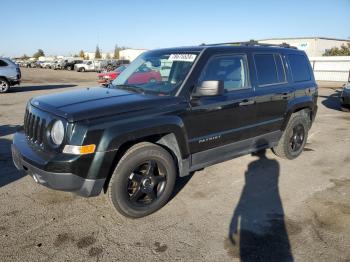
x,y
132,139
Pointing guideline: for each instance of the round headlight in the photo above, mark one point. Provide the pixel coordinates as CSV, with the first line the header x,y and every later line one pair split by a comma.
x,y
57,132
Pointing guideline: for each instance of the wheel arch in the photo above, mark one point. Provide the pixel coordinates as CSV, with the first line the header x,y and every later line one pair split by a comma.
x,y
307,107
168,141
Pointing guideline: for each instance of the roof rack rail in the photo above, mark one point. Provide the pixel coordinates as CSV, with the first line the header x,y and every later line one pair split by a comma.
x,y
252,43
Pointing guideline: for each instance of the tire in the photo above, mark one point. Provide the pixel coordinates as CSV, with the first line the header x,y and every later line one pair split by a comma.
x,y
69,68
294,137
82,69
131,187
4,85
345,108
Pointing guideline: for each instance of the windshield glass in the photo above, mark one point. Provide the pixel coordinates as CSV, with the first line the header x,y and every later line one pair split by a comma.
x,y
120,68
156,72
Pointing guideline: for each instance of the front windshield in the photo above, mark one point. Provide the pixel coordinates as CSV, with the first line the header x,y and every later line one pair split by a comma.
x,y
156,72
120,68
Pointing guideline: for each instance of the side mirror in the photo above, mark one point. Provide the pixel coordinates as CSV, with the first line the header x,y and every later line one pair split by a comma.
x,y
210,88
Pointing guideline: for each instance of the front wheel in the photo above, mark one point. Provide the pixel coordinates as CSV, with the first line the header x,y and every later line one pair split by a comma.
x,y
143,180
294,136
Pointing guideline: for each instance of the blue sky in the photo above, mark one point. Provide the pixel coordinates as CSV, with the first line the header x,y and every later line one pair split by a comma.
x,y
67,26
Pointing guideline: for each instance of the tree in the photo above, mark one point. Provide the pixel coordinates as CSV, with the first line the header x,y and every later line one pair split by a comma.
x,y
97,53
81,54
24,57
39,53
87,57
116,52
344,50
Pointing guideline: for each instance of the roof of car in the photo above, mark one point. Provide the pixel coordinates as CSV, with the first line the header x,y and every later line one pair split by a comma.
x,y
230,46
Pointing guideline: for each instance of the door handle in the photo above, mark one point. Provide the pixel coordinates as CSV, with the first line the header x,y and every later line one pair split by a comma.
x,y
246,102
285,95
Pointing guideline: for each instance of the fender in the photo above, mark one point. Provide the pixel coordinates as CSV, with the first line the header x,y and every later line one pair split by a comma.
x,y
298,104
114,137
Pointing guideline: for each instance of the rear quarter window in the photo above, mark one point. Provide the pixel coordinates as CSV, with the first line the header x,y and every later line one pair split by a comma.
x,y
299,67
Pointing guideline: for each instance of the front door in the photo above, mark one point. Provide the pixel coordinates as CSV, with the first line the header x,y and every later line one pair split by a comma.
x,y
218,121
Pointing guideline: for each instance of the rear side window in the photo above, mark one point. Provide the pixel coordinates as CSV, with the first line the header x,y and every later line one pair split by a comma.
x,y
231,69
299,67
270,69
3,63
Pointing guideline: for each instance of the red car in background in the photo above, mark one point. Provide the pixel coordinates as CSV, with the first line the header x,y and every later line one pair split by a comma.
x,y
105,78
142,76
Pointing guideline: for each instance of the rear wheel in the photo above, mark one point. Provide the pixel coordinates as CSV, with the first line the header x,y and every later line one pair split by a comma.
x,y
4,85
142,181
294,136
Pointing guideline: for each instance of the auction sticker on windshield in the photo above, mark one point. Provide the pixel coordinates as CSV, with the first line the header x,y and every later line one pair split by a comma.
x,y
182,57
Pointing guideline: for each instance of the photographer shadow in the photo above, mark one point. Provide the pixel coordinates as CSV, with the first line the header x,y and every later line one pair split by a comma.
x,y
257,230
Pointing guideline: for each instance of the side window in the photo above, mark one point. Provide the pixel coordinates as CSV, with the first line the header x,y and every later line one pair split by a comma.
x,y
299,67
230,69
3,63
281,74
266,69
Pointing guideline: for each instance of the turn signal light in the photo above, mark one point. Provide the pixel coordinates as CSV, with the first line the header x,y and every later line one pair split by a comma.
x,y
79,150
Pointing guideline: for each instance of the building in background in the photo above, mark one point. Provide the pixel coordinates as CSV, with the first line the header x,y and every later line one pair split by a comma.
x,y
104,55
130,54
331,68
313,46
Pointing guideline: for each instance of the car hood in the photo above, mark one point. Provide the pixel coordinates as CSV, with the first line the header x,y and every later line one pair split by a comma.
x,y
96,102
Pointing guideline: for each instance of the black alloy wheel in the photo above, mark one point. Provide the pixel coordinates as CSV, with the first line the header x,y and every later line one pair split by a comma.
x,y
143,180
146,183
297,138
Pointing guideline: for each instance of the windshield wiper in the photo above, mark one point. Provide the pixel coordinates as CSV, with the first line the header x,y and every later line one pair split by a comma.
x,y
131,88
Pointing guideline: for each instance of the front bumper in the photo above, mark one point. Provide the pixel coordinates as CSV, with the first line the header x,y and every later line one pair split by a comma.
x,y
15,82
21,151
345,97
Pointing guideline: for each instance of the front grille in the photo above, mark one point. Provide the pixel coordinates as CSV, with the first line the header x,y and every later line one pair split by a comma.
x,y
34,127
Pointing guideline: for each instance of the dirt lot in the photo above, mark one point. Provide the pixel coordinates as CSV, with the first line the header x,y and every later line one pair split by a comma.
x,y
256,208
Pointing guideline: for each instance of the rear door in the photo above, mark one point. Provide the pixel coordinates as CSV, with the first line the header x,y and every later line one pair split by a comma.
x,y
272,91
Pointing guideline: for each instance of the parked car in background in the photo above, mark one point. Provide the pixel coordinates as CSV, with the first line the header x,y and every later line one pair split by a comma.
x,y
105,77
10,74
59,64
69,65
30,64
144,75
47,64
345,97
88,66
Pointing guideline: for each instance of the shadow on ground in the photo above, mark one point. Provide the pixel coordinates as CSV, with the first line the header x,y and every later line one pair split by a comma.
x,y
181,182
38,87
8,172
332,101
8,129
258,230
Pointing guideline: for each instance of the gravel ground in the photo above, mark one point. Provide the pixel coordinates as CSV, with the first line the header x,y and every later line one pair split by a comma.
x,y
255,208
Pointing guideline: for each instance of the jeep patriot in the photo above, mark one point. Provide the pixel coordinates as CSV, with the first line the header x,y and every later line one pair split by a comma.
x,y
132,139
